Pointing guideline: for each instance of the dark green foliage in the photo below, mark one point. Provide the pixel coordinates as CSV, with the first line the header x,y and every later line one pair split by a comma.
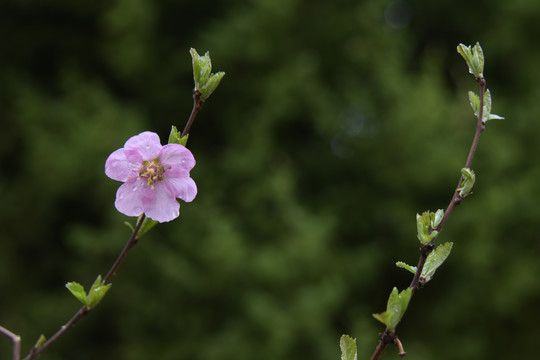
x,y
331,130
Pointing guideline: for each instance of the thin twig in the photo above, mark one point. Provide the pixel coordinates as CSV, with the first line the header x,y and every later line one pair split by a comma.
x,y
398,343
378,350
131,242
16,339
456,198
35,351
78,315
84,310
197,105
426,249
480,127
387,338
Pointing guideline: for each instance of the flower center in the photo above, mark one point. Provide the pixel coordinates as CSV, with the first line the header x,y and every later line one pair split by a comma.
x,y
152,171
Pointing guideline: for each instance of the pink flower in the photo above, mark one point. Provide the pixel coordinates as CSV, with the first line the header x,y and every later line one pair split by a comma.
x,y
153,175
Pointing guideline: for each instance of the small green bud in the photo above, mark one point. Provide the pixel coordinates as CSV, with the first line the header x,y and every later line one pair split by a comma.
x,y
205,81
475,102
427,224
395,308
97,292
486,112
468,182
474,58
202,66
211,85
40,341
175,137
94,296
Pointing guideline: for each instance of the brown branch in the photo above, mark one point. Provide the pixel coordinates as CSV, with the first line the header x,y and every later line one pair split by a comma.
x,y
197,105
85,310
132,241
78,315
402,352
387,338
16,339
480,127
426,249
379,350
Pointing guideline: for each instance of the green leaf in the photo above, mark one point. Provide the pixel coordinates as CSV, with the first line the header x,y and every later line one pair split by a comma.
x,y
474,58
211,85
475,102
183,140
202,66
395,308
41,340
487,106
384,317
437,218
487,115
426,225
495,117
129,226
96,283
401,264
205,81
97,292
175,137
468,182
78,291
348,347
146,226
435,259
486,112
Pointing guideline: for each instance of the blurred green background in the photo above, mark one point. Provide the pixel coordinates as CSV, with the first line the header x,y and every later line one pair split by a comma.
x,y
336,123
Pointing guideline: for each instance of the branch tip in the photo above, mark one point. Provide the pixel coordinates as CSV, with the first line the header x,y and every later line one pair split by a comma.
x,y
402,352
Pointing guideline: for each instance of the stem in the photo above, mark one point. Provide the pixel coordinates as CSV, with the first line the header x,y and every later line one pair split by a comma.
x,y
480,127
378,350
78,315
16,339
197,105
84,310
426,249
402,352
131,242
387,338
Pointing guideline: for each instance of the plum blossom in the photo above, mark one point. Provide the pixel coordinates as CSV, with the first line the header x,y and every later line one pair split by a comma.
x,y
153,175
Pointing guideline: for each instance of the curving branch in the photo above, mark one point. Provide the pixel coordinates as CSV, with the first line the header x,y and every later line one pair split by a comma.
x,y
388,337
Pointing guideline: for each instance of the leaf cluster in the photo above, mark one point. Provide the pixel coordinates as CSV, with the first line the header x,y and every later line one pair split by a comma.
x,y
95,294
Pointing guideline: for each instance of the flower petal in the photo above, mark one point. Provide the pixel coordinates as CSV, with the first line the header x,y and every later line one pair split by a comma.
x,y
146,144
160,204
182,187
118,167
129,197
176,156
